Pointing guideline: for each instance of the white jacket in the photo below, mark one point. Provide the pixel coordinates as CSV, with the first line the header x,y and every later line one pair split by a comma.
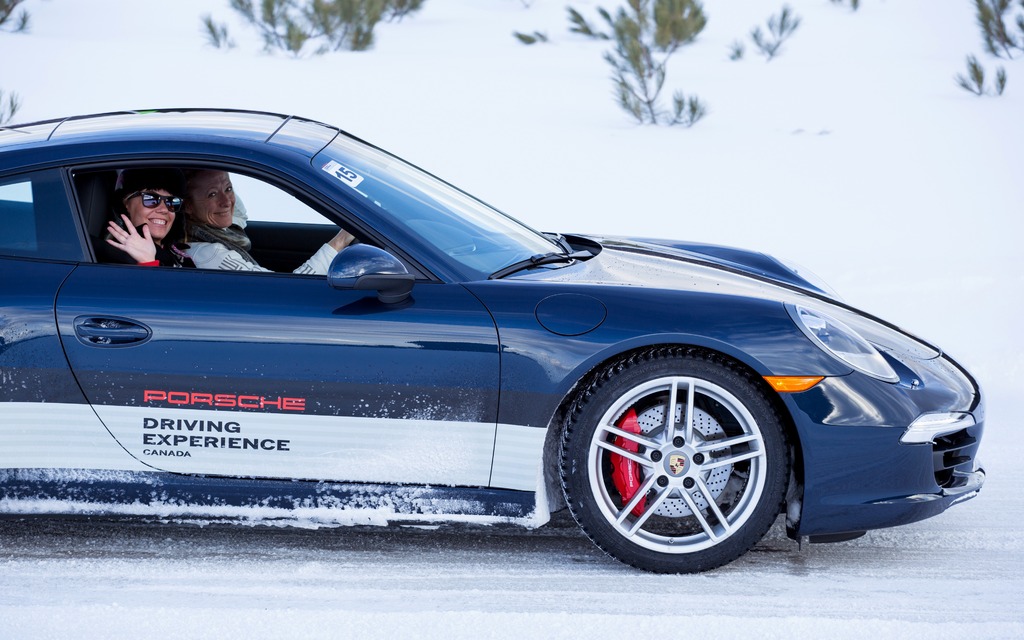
x,y
214,255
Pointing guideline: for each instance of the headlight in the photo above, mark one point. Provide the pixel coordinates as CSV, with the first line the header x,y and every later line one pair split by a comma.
x,y
842,342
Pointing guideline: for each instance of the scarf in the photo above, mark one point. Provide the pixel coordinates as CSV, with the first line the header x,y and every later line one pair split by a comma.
x,y
232,237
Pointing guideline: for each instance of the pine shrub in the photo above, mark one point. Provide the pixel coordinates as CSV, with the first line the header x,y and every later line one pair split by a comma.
x,y
854,4
217,34
9,21
398,9
780,28
687,111
8,107
736,50
530,38
345,24
640,32
677,23
289,25
1001,40
580,25
974,81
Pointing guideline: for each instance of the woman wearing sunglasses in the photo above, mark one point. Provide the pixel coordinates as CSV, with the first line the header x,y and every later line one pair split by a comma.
x,y
147,229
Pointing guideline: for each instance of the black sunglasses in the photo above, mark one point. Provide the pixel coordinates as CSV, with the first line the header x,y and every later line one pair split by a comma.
x,y
152,200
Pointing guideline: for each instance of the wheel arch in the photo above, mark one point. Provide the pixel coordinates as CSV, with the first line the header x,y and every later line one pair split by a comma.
x,y
553,438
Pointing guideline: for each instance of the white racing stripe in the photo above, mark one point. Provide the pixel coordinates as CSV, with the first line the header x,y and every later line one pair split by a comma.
x,y
271,445
518,458
46,435
277,445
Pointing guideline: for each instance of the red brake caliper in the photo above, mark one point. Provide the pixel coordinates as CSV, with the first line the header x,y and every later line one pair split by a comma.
x,y
625,472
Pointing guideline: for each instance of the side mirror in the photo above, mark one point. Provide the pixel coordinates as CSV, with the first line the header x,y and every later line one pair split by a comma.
x,y
366,268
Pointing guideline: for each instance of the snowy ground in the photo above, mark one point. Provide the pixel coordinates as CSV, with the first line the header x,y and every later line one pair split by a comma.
x,y
853,154
957,575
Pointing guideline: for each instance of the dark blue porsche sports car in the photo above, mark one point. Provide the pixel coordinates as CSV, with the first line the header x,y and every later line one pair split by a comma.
x,y
451,364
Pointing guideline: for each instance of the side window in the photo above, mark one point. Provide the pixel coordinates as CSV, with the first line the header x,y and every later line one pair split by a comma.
x,y
267,203
36,219
229,221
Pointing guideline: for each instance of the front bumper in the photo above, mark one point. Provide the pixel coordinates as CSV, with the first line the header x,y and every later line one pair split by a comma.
x,y
964,487
863,464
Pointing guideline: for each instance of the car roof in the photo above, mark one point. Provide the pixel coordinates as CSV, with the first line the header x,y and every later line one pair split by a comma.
x,y
167,124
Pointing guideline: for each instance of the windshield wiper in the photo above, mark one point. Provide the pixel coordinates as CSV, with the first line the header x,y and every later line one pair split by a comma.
x,y
560,240
538,260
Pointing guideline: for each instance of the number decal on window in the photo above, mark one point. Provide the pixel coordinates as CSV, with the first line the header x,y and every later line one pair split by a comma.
x,y
343,173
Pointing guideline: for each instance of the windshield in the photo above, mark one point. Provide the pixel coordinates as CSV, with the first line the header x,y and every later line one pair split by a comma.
x,y
463,228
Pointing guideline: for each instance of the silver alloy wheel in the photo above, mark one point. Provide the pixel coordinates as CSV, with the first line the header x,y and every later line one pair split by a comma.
x,y
702,471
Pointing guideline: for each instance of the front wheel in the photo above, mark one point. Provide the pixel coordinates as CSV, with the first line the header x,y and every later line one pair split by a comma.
x,y
674,461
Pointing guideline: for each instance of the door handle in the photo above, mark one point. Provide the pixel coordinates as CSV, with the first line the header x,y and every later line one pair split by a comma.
x,y
110,332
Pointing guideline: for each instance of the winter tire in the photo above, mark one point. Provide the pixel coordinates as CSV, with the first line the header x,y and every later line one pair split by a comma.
x,y
674,491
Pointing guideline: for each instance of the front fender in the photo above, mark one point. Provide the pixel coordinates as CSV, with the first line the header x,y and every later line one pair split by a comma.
x,y
539,368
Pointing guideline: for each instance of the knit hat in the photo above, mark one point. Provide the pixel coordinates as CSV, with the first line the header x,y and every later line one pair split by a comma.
x,y
131,180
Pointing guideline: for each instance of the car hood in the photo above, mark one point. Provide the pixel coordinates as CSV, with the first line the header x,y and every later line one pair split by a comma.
x,y
660,263
676,266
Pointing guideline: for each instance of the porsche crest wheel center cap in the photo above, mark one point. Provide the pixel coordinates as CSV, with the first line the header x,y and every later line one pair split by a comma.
x,y
677,464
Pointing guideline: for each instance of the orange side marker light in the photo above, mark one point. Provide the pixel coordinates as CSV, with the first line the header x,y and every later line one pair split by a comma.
x,y
793,384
